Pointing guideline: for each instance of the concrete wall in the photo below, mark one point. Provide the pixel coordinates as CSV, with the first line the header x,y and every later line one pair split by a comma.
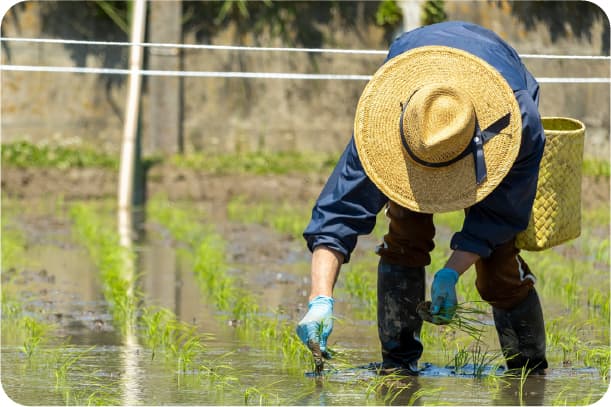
x,y
250,114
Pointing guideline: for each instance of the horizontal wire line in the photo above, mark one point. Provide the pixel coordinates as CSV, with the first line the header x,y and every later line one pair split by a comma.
x,y
249,48
204,74
253,75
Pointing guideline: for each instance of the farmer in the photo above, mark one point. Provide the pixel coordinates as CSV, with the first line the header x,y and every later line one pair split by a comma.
x,y
450,121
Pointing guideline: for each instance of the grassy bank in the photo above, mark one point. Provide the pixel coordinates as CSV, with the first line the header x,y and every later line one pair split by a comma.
x,y
23,154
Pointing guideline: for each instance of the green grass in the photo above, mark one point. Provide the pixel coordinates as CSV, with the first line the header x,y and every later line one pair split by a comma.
x,y
23,154
259,163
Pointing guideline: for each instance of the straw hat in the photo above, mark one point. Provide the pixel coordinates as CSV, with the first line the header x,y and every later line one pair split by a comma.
x,y
437,129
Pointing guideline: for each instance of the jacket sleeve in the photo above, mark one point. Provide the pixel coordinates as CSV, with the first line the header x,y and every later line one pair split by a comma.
x,y
506,211
346,208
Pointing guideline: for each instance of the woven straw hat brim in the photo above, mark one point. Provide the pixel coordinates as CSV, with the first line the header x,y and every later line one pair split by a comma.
x,y
378,139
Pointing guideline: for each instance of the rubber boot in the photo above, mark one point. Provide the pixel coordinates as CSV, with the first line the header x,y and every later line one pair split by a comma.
x,y
522,335
400,290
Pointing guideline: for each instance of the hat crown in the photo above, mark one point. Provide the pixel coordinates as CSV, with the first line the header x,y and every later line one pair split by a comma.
x,y
439,123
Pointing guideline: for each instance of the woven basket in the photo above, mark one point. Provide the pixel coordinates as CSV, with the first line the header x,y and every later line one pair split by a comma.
x,y
556,214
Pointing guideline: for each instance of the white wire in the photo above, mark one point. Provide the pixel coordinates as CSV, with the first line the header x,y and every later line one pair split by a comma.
x,y
197,46
204,74
272,49
252,75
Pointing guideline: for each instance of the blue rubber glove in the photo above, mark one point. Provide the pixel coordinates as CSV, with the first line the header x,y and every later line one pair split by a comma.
x,y
443,296
317,324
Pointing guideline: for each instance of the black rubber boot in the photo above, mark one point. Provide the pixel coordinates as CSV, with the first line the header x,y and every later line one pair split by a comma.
x,y
400,290
522,335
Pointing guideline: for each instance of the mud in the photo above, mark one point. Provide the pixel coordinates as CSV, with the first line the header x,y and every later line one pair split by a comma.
x,y
180,183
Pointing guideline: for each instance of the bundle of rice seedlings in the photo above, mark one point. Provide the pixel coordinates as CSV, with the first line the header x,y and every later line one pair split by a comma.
x,y
465,318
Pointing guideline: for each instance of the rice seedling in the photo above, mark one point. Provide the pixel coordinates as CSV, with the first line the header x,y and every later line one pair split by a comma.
x,y
163,332
12,247
461,359
91,389
564,399
524,373
65,359
217,373
598,357
115,262
422,392
262,396
153,323
177,340
359,280
35,332
483,360
466,319
389,387
210,269
209,265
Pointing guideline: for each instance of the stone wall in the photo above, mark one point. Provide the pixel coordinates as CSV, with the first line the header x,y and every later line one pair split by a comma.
x,y
250,114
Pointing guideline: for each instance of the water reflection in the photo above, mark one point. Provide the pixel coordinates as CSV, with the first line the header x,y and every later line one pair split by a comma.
x,y
529,391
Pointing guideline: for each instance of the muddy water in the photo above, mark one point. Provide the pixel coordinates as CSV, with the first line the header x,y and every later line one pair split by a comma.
x,y
62,287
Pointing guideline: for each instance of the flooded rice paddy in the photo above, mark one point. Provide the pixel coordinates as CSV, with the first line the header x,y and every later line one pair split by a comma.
x,y
202,309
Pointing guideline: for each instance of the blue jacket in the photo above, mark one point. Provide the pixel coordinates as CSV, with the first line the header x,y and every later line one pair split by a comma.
x,y
349,202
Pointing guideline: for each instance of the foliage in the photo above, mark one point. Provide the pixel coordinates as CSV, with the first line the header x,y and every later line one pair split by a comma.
x,y
388,13
118,11
433,12
289,21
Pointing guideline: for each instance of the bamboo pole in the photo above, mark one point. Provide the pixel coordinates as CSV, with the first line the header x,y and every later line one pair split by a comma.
x,y
131,382
128,147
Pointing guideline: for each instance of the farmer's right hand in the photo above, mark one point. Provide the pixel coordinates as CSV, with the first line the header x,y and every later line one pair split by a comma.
x,y
317,324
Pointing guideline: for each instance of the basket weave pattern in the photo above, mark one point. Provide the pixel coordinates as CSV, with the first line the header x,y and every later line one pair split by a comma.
x,y
556,213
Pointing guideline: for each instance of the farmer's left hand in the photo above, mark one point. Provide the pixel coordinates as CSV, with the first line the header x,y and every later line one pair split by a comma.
x,y
443,296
